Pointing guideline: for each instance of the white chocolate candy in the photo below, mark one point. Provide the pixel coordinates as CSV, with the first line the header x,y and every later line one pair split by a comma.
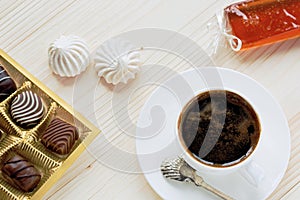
x,y
68,56
117,61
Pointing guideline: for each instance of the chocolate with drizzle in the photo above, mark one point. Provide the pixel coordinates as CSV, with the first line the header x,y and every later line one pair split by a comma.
x,y
60,136
7,85
22,173
27,109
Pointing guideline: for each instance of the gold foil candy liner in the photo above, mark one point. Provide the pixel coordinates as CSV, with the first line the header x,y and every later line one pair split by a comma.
x,y
66,116
10,125
27,142
59,112
41,127
41,161
9,142
2,137
44,159
6,124
13,72
6,186
7,192
69,117
5,105
25,86
83,131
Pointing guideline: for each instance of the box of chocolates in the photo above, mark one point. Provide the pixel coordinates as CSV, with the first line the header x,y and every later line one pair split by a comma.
x,y
40,135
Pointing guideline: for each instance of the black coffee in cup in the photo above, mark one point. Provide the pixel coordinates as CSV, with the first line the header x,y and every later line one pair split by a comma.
x,y
219,128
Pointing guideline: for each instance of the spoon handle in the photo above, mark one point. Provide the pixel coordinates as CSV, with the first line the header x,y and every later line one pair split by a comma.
x,y
200,182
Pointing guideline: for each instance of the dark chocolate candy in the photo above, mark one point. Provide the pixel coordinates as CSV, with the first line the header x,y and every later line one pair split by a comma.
x,y
27,109
7,85
60,136
22,173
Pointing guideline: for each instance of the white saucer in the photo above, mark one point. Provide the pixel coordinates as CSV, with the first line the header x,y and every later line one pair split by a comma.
x,y
156,138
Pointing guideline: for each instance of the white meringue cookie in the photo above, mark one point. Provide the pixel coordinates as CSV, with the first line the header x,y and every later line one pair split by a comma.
x,y
117,61
68,56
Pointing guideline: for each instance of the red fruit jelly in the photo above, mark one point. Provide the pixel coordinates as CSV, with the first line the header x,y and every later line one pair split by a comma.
x,y
260,22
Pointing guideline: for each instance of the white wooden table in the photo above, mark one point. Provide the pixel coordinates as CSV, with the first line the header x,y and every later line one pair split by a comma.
x,y
28,27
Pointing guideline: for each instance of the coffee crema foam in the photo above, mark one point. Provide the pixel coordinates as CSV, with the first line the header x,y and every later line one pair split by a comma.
x,y
219,128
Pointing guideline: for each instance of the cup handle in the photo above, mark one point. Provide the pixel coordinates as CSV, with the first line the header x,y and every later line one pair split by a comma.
x,y
253,173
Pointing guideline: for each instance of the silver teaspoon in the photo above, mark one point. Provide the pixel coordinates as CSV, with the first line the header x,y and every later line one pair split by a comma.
x,y
177,169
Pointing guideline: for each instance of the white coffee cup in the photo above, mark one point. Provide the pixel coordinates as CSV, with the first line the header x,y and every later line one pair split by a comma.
x,y
251,171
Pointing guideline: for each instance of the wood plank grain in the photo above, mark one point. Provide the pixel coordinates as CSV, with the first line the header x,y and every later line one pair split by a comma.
x,y
28,27
294,193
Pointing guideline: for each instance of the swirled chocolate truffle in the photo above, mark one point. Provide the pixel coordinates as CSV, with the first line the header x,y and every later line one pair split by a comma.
x,y
7,85
27,109
60,136
21,173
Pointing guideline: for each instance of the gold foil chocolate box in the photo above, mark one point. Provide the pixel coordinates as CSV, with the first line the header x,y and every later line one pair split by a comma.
x,y
19,144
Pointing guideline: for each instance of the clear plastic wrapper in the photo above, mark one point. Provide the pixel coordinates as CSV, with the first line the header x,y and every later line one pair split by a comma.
x,y
254,23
